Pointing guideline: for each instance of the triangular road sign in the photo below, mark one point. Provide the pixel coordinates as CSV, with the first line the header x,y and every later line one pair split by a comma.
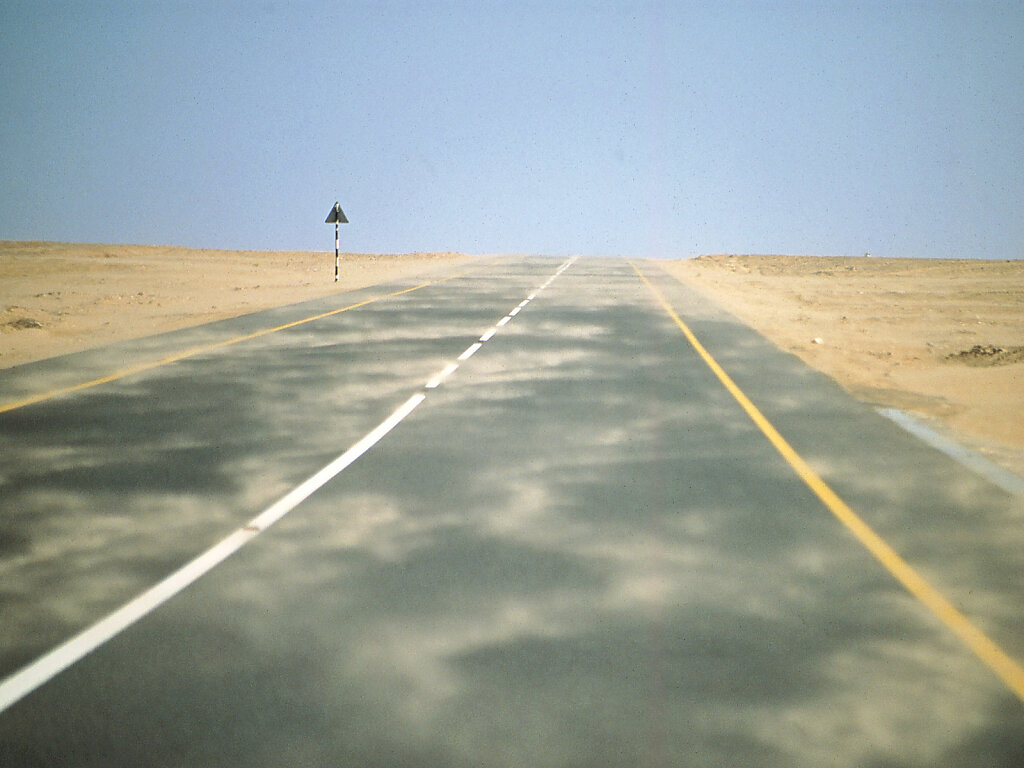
x,y
336,216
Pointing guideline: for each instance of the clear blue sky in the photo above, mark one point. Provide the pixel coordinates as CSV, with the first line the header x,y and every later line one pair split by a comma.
x,y
557,127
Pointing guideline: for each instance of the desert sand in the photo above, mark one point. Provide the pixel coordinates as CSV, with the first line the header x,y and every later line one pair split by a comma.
x,y
943,339
57,298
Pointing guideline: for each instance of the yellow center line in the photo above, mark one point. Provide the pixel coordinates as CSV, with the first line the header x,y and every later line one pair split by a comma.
x,y
192,351
1000,662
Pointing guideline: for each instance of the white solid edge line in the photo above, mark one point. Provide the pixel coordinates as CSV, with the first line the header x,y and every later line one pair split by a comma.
x,y
54,662
974,461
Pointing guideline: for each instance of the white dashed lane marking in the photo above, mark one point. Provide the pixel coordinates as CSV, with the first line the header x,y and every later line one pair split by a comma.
x,y
43,669
470,352
447,371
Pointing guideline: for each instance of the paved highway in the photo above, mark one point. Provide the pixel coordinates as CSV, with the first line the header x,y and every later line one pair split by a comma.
x,y
539,512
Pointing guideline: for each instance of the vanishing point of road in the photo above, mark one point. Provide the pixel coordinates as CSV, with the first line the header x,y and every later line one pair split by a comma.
x,y
535,512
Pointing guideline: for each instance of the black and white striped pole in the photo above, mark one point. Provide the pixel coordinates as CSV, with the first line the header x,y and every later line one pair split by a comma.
x,y
337,216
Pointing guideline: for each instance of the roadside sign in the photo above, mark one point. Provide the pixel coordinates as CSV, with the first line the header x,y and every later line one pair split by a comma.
x,y
336,217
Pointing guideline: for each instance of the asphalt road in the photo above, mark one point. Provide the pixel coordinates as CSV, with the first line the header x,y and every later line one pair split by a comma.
x,y
574,549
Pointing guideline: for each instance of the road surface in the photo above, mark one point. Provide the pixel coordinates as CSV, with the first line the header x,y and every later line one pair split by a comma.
x,y
538,512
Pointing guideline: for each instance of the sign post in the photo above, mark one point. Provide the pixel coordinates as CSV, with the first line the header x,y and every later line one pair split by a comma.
x,y
336,216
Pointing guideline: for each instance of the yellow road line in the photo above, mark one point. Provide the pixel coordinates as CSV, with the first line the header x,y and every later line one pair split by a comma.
x,y
1008,670
192,351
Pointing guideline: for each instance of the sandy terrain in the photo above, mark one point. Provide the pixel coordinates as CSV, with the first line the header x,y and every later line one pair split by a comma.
x,y
940,338
57,298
